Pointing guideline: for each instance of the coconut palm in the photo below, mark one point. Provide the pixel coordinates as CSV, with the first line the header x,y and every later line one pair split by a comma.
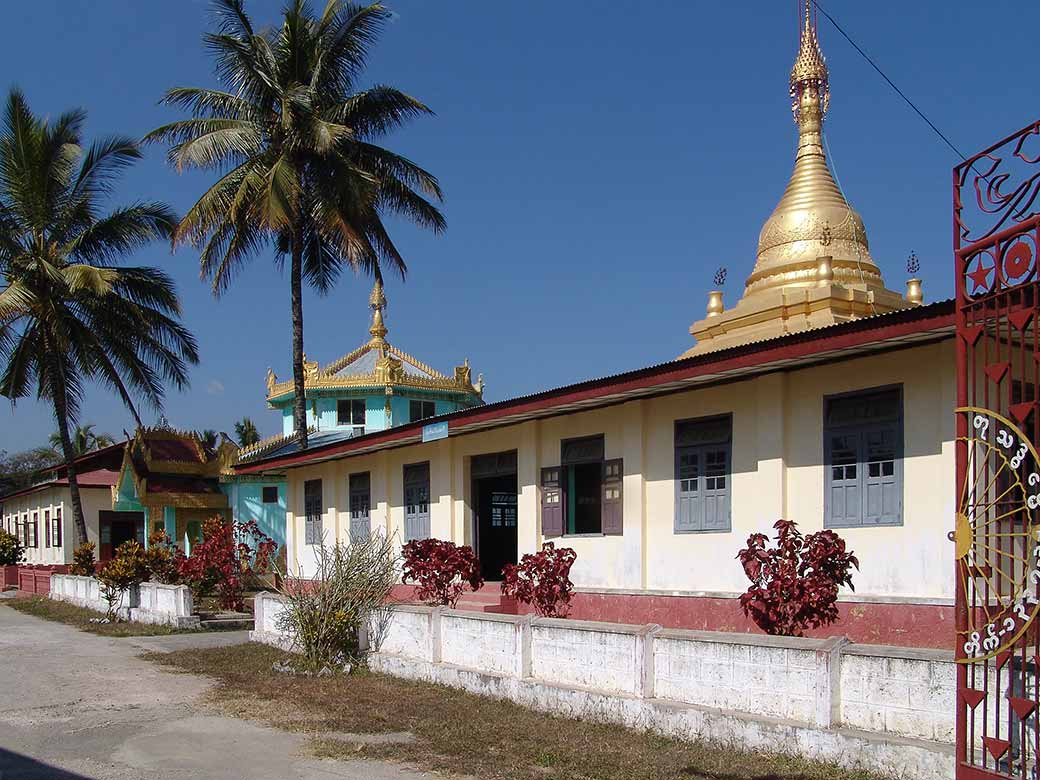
x,y
246,432
84,440
68,313
293,140
209,438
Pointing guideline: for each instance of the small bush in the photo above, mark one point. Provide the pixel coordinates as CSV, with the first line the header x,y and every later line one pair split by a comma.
x,y
161,558
542,580
794,586
440,570
11,550
324,616
83,561
220,563
126,570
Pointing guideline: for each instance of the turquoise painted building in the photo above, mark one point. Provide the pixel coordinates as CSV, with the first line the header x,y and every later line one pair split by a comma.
x,y
374,387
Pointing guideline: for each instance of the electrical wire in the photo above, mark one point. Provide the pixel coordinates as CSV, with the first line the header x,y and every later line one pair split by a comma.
x,y
891,83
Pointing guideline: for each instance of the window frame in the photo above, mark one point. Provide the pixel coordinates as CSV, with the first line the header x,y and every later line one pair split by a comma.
x,y
355,404
311,518
861,430
422,404
57,530
701,449
264,494
411,469
355,490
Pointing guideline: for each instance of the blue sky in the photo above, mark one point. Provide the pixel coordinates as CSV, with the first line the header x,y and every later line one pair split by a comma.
x,y
600,161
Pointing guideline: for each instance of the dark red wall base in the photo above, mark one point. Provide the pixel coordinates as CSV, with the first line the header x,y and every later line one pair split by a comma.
x,y
905,625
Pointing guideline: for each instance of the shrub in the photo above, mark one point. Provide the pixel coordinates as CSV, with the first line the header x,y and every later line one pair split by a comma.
x,y
440,570
83,563
794,586
11,551
542,580
220,563
127,569
161,558
324,616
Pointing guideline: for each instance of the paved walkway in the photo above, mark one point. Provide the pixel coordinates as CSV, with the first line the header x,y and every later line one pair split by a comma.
x,y
75,706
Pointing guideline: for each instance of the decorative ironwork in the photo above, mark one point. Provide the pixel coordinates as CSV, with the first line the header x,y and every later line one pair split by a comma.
x,y
997,530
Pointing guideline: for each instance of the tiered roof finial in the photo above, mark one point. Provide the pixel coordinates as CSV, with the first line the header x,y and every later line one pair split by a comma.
x,y
377,301
810,83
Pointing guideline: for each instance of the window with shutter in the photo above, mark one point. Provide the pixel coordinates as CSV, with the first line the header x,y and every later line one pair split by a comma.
x,y
552,502
360,506
863,455
613,499
313,510
420,410
47,527
417,501
56,533
703,479
34,531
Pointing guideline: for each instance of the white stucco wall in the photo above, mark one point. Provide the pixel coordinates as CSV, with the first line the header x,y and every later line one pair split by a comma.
x,y
777,472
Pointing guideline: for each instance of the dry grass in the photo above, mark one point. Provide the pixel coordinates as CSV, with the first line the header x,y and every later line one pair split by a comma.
x,y
457,732
71,615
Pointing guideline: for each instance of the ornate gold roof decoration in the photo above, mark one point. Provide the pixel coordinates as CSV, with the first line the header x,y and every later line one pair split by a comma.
x,y
813,266
378,364
264,446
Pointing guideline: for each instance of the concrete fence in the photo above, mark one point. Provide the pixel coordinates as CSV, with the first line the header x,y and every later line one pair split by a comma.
x,y
35,579
889,709
150,602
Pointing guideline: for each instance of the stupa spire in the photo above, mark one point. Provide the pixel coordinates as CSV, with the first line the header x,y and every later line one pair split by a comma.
x,y
813,219
377,302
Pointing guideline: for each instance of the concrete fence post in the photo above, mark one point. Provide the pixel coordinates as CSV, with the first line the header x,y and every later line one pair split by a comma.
x,y
828,682
644,661
435,634
523,648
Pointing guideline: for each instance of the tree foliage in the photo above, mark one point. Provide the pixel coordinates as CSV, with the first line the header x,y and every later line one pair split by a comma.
x,y
69,313
794,585
126,570
542,580
440,570
246,432
11,550
83,562
20,469
84,440
295,143
227,554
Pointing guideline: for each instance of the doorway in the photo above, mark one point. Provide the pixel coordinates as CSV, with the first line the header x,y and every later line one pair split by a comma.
x,y
495,512
116,528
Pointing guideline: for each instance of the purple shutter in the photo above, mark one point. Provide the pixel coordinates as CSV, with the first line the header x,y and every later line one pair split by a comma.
x,y
552,502
612,513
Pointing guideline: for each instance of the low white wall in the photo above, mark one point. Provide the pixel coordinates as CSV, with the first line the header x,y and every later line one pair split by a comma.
x,y
150,602
886,709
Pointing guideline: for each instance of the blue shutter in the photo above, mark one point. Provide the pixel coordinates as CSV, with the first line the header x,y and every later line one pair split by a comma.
x,y
844,474
716,488
312,509
552,502
360,507
417,501
881,472
687,484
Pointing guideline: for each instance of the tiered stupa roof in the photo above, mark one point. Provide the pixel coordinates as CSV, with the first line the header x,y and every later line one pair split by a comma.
x,y
377,364
813,266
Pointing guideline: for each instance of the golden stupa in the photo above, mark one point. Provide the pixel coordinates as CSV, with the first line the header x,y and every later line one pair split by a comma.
x,y
814,266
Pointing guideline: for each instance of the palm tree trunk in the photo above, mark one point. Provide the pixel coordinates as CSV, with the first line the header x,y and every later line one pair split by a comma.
x,y
61,411
296,280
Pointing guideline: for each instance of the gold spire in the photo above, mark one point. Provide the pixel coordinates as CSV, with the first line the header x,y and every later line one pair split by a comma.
x,y
813,218
377,301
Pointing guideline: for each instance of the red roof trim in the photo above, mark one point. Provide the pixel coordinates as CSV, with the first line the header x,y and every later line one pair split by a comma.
x,y
856,333
101,478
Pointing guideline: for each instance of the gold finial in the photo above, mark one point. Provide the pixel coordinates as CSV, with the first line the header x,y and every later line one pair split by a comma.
x,y
377,301
810,85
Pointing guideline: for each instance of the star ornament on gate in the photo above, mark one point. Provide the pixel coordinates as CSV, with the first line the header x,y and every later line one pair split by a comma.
x,y
980,276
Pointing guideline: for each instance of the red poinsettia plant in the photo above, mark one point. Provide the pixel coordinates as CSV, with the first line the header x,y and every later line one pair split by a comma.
x,y
440,570
794,585
227,554
543,580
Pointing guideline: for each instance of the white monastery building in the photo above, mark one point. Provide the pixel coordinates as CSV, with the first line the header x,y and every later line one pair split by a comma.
x,y
822,396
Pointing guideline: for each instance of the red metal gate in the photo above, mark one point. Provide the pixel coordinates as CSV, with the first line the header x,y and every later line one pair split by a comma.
x,y
996,236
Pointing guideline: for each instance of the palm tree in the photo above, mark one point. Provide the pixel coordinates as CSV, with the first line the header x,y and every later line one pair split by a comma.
x,y
209,438
293,140
68,313
84,440
246,432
